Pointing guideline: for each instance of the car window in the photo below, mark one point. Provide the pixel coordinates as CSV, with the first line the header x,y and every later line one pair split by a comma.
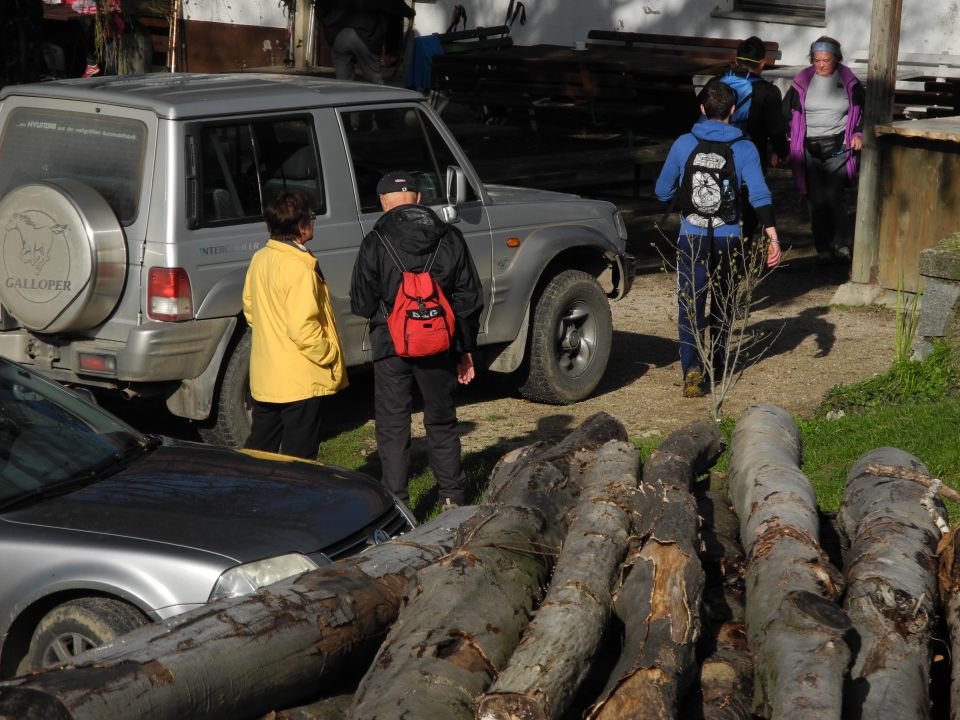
x,y
104,152
48,435
401,138
245,165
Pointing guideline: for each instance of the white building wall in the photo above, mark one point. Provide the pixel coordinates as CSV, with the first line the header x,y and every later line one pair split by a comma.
x,y
262,13
927,26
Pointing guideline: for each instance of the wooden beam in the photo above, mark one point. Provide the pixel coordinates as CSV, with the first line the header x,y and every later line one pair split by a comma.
x,y
881,78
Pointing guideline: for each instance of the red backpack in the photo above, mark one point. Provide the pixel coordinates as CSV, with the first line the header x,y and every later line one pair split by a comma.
x,y
422,321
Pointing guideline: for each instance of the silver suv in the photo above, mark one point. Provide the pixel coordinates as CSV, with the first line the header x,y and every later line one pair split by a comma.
x,y
131,207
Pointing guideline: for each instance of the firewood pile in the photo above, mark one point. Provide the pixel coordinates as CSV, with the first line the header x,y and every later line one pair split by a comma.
x,y
583,587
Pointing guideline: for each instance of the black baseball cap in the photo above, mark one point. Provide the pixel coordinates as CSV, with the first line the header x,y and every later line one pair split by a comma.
x,y
396,181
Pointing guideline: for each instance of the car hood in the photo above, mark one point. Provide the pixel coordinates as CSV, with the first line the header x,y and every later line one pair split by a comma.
x,y
503,194
220,500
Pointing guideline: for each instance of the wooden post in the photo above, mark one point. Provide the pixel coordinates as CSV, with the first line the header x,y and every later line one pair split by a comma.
x,y
880,81
301,31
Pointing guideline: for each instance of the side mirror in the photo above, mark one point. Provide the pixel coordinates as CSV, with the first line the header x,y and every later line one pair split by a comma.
x,y
456,186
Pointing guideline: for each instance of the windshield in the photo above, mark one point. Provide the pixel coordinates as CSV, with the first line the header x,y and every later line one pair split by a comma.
x,y
49,435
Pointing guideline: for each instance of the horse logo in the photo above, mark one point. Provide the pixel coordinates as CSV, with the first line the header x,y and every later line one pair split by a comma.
x,y
37,233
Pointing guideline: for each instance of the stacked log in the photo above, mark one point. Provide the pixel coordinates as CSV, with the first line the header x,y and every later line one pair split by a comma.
x,y
551,662
658,600
464,615
795,629
502,612
893,528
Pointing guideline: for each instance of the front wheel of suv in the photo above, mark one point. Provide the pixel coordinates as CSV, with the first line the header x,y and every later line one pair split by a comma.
x,y
570,340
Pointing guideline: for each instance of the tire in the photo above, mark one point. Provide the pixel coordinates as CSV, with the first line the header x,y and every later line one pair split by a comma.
x,y
77,626
570,340
231,418
63,256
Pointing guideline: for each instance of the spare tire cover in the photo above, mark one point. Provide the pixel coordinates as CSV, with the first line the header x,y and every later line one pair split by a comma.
x,y
63,256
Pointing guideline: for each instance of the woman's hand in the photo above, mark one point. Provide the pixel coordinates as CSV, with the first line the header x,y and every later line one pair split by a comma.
x,y
856,142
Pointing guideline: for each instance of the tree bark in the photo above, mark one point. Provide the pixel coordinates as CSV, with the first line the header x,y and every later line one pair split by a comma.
x,y
779,528
891,586
804,657
949,576
241,657
464,615
546,670
331,708
658,600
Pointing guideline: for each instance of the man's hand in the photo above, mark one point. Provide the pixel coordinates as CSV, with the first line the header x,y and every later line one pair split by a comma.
x,y
465,369
856,142
774,160
773,247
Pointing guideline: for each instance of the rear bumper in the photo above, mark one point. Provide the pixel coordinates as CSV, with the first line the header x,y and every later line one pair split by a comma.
x,y
153,352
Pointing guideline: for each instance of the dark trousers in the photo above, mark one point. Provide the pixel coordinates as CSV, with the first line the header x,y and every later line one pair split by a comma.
x,y
703,267
288,428
348,50
436,376
826,180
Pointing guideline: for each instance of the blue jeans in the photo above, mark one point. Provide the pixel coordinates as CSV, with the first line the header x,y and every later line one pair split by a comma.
x,y
703,267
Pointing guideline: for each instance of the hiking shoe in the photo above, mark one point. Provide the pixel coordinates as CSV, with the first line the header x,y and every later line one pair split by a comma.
x,y
448,504
693,384
91,70
842,253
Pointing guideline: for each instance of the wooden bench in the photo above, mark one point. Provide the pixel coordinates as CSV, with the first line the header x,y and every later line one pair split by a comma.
x,y
928,84
558,84
717,50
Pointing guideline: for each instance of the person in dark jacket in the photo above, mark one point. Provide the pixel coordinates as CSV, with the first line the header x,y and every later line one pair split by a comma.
x,y
825,109
764,125
416,233
704,250
355,30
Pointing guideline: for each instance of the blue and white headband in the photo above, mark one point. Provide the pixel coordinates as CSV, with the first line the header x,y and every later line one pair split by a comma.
x,y
824,46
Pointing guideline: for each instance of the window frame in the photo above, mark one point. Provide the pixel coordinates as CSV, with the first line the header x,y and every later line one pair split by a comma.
x,y
194,148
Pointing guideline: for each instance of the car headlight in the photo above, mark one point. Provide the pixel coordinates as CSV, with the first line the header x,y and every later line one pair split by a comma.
x,y
245,579
620,225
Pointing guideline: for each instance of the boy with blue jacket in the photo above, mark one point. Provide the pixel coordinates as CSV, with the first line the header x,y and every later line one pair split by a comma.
x,y
709,239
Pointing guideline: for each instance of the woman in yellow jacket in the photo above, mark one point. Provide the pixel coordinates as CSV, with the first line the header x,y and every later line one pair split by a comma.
x,y
296,358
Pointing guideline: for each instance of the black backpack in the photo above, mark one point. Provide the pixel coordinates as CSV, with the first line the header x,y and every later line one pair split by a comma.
x,y
709,194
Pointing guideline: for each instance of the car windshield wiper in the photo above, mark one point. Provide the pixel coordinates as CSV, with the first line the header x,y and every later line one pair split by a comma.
x,y
115,461
112,462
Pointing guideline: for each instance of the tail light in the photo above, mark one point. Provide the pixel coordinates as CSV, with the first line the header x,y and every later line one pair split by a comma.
x,y
168,294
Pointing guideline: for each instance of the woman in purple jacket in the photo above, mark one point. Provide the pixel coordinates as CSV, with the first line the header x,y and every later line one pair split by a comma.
x,y
824,107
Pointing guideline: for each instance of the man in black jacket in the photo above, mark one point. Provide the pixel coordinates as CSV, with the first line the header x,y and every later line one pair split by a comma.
x,y
765,125
416,233
355,30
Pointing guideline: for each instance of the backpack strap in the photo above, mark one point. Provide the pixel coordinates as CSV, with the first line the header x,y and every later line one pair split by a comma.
x,y
433,256
391,251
